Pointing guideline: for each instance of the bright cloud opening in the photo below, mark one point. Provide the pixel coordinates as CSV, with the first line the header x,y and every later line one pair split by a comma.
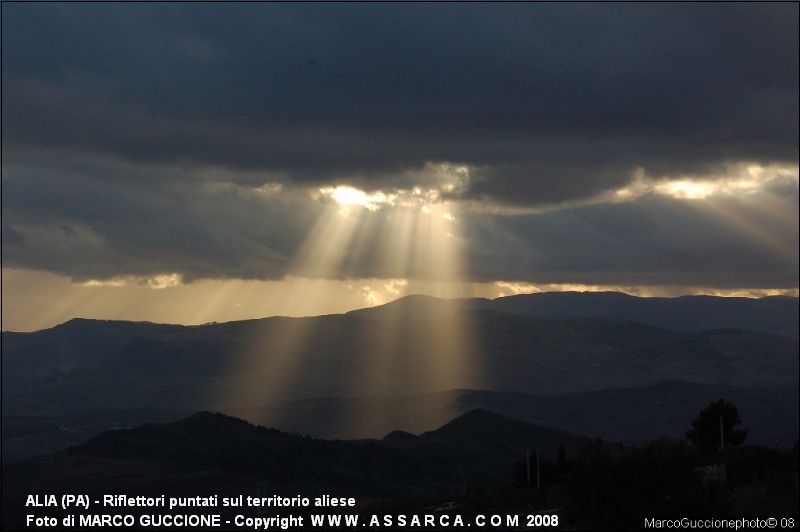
x,y
438,182
350,196
734,180
156,282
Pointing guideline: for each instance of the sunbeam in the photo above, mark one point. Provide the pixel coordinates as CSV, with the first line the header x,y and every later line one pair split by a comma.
x,y
410,243
263,375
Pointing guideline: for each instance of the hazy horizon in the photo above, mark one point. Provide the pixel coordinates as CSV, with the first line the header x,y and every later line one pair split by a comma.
x,y
381,294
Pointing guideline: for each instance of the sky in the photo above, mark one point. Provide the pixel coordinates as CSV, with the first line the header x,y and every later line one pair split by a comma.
x,y
207,162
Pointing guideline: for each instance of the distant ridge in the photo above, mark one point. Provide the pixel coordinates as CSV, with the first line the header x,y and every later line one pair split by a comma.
x,y
773,314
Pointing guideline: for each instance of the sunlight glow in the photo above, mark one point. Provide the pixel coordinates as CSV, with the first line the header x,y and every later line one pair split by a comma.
x,y
156,282
513,288
733,181
349,196
442,180
686,189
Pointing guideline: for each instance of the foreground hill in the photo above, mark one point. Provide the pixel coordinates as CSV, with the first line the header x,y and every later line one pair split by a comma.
x,y
476,460
213,453
482,429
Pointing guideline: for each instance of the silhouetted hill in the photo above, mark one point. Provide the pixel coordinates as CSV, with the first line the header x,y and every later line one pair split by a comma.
x,y
416,306
214,453
501,434
476,459
774,314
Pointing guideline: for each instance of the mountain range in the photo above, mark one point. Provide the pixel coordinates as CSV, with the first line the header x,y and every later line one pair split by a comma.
x,y
773,314
599,364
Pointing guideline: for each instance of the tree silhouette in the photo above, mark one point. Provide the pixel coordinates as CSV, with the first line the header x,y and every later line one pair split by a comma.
x,y
705,428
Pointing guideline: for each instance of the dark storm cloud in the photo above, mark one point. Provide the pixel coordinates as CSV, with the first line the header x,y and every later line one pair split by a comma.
x,y
85,226
552,102
654,241
136,135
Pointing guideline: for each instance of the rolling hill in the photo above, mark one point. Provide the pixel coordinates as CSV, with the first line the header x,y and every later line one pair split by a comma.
x,y
213,453
64,384
773,315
